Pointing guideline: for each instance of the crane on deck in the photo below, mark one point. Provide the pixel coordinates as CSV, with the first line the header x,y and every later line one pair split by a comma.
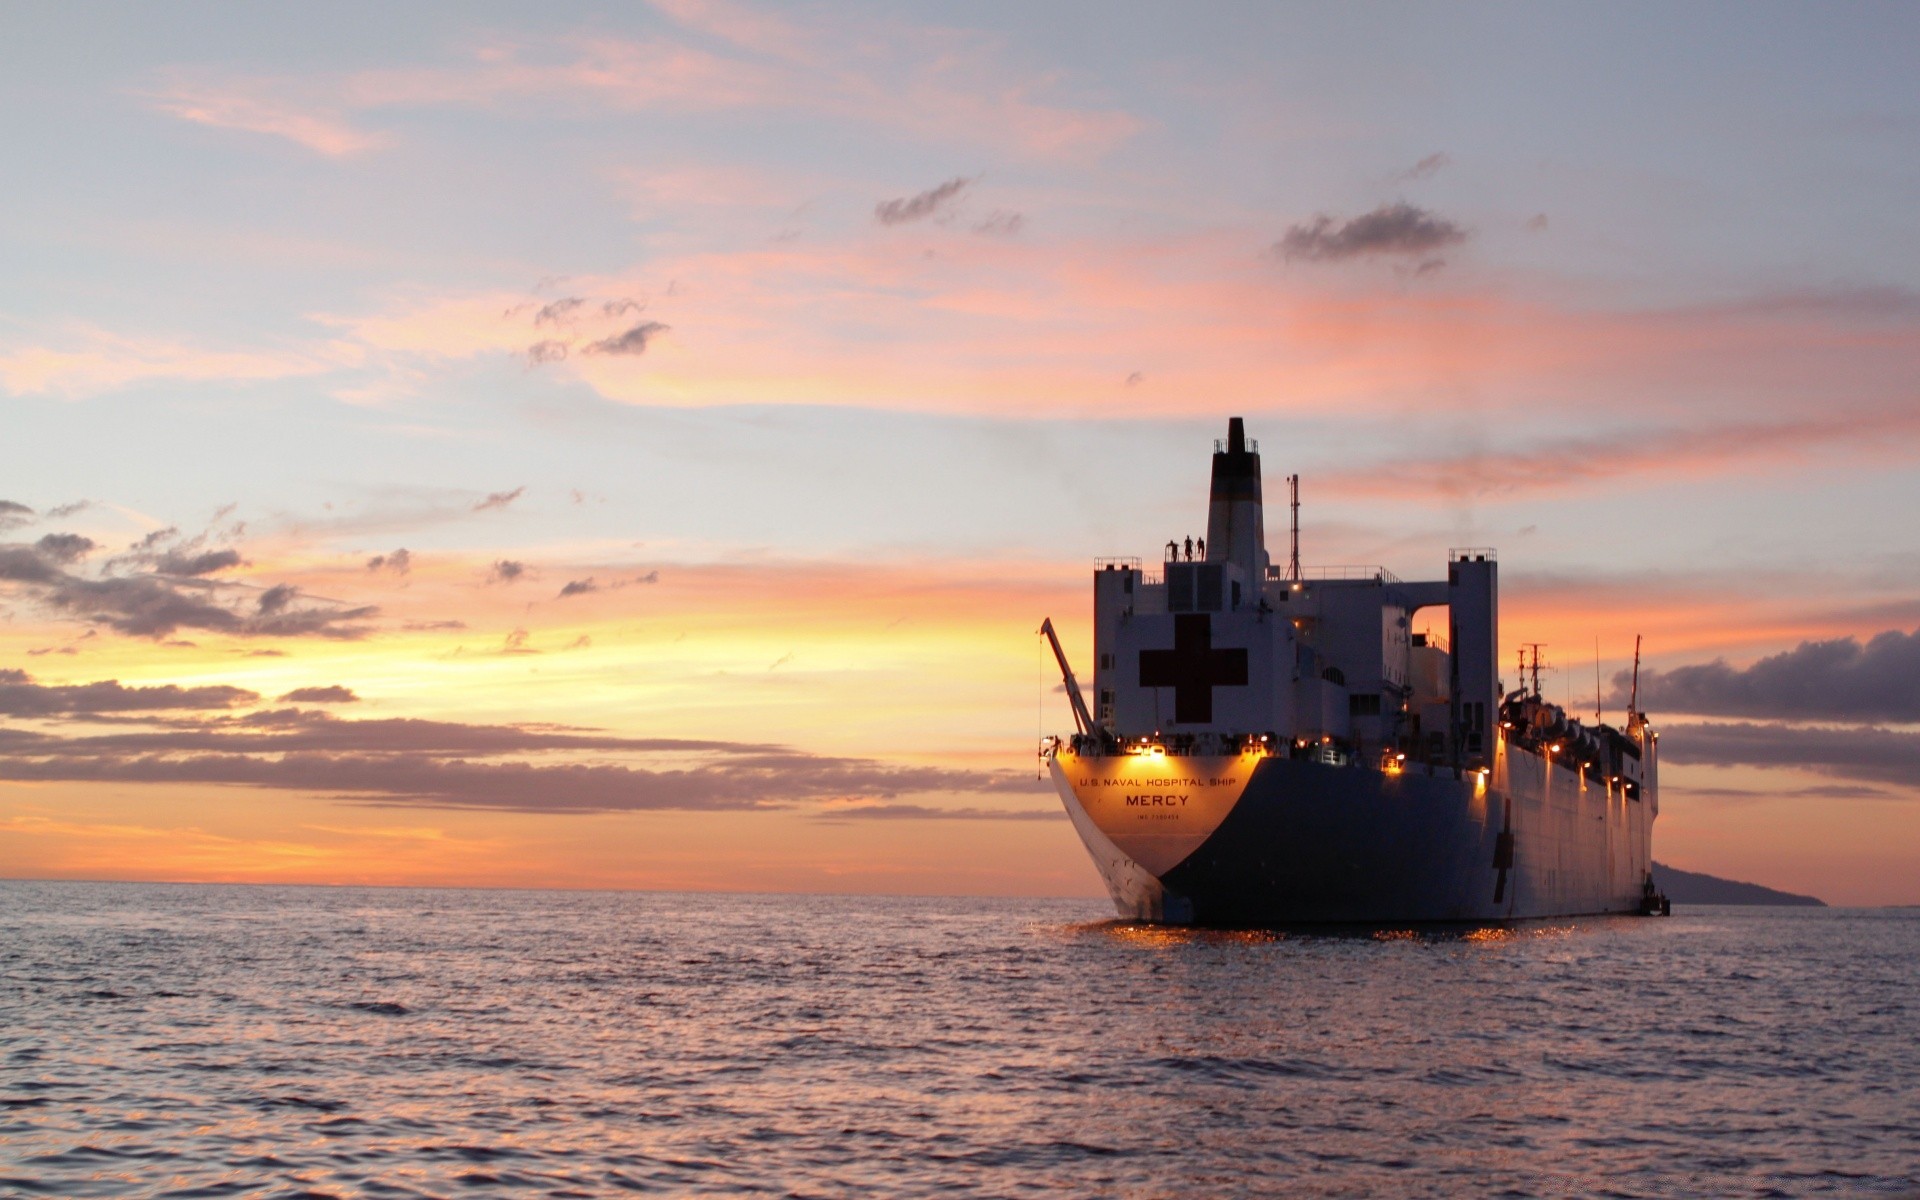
x,y
1082,719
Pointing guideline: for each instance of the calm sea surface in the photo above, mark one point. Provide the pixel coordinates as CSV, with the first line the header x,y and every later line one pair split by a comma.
x,y
217,1041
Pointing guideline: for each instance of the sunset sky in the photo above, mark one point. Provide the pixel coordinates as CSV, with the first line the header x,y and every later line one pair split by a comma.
x,y
633,446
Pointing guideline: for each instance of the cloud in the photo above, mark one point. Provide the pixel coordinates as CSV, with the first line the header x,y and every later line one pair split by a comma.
x,y
1392,229
499,499
1561,463
927,83
182,562
331,694
920,205
20,696
275,599
24,564
14,514
929,812
1001,223
559,311
65,548
155,605
82,360
144,606
1537,223
399,562
453,765
506,571
516,643
1836,680
1426,168
60,512
1853,752
633,341
580,587
251,109
546,351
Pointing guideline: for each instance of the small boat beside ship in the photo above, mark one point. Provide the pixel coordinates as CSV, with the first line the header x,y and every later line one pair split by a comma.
x,y
1270,745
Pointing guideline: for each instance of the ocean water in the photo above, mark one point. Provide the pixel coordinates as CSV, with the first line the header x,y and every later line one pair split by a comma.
x,y
160,1040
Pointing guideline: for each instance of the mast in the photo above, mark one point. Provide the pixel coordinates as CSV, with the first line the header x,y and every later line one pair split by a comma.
x,y
1633,697
1598,719
1532,668
1293,562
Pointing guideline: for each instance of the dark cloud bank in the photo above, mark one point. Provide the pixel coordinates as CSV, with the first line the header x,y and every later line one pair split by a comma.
x,y
1854,752
1837,680
445,764
20,696
1843,681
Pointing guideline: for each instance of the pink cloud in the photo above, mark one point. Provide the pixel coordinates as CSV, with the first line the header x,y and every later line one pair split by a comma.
x,y
942,84
934,319
84,360
1669,452
254,108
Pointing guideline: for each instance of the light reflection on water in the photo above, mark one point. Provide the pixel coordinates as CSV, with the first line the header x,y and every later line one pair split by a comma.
x,y
232,1040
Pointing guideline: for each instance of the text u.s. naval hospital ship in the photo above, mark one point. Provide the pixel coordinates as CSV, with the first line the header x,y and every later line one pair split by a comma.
x,y
1272,746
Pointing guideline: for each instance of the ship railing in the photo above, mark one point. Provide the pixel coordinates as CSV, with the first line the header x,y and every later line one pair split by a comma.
x,y
1377,574
1220,446
1116,564
1472,554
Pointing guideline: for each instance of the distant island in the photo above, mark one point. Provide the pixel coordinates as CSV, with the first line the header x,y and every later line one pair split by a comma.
x,y
1691,887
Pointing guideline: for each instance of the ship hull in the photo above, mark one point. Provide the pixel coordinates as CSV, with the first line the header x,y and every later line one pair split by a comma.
x,y
1262,841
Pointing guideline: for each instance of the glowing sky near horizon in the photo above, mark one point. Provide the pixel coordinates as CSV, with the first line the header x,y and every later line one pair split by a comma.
x,y
743,383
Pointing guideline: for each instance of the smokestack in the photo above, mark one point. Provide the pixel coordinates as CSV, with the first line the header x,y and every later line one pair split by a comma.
x,y
1236,530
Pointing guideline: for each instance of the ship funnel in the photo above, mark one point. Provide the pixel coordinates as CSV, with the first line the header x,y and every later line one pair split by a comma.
x,y
1236,531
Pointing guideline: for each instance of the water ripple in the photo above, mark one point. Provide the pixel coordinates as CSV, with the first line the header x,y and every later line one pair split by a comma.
x,y
219,1041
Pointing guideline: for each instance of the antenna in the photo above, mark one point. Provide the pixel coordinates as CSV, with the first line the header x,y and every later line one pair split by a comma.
x,y
1599,716
1633,697
1535,667
1293,563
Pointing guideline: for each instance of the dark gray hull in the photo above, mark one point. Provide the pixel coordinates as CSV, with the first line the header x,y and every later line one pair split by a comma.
x,y
1308,843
